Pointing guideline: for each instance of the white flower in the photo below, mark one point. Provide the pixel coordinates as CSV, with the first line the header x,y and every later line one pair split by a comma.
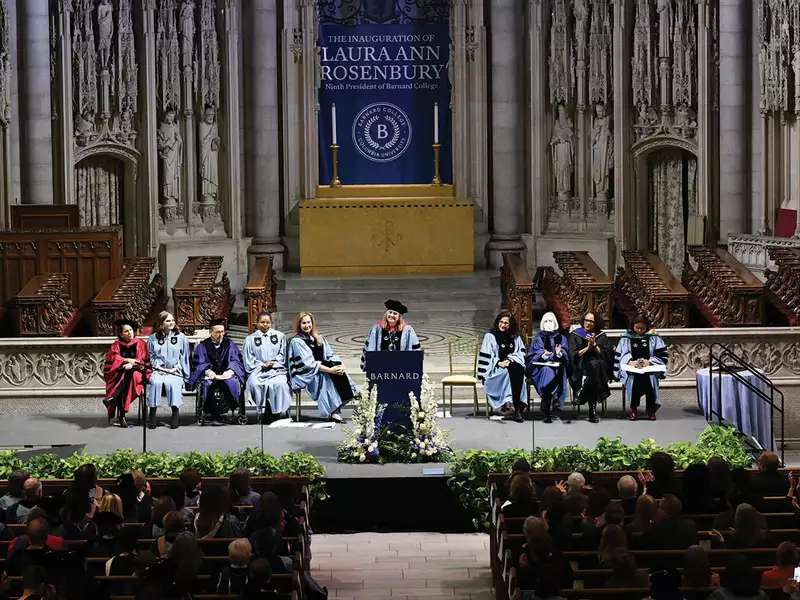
x,y
362,457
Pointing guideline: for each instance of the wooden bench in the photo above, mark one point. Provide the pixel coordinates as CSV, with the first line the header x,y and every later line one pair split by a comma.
x,y
198,296
782,286
724,291
516,289
44,306
647,286
260,290
133,295
582,287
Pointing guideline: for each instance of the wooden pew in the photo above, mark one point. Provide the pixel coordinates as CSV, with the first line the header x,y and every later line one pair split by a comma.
x,y
44,306
260,290
133,295
516,288
725,292
783,285
647,286
583,287
198,297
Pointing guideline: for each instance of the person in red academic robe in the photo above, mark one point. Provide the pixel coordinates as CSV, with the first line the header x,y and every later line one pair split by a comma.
x,y
125,371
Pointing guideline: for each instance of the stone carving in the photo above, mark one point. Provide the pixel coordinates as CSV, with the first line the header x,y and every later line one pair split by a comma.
x,y
561,60
664,9
600,46
5,67
209,164
777,54
186,20
127,78
85,73
170,153
168,51
602,156
105,31
562,152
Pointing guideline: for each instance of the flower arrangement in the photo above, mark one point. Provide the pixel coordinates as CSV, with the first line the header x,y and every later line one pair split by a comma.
x,y
429,442
360,443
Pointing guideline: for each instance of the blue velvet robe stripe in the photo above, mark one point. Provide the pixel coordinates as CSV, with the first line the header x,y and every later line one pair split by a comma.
x,y
305,375
540,376
228,357
171,353
622,356
271,385
408,341
496,381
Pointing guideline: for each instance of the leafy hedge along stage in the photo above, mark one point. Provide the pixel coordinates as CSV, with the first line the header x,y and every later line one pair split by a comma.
x,y
470,469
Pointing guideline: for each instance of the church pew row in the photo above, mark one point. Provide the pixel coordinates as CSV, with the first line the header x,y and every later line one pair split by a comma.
x,y
783,285
198,297
647,286
582,287
260,291
44,306
133,295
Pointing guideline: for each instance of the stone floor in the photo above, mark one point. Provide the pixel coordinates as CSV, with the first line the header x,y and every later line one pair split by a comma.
x,y
401,566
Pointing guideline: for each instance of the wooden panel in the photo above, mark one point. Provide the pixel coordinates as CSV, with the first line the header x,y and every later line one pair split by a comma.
x,y
260,291
517,292
198,297
583,287
30,217
647,286
44,306
132,296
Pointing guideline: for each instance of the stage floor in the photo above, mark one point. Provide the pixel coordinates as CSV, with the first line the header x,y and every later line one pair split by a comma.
x,y
91,432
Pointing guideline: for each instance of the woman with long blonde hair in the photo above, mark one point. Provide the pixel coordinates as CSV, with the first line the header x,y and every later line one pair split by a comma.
x,y
392,333
169,355
315,368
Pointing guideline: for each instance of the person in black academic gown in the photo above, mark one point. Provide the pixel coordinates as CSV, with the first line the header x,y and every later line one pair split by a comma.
x,y
592,357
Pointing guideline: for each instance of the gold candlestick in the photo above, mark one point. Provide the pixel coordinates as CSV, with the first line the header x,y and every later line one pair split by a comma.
x,y
437,179
335,181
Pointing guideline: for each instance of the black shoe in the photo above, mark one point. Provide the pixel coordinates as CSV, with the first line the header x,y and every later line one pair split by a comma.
x,y
151,418
518,417
122,422
175,421
593,415
547,419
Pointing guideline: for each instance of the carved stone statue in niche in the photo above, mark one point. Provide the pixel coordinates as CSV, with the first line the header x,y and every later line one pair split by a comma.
x,y
562,152
105,31
209,161
186,26
84,128
170,153
664,9
602,153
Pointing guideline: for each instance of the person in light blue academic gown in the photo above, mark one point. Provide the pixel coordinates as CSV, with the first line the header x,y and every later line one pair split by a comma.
x,y
549,346
169,357
640,347
315,368
392,333
265,363
501,366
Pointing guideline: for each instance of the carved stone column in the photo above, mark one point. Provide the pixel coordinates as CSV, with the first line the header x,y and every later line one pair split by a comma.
x,y
233,208
734,115
757,222
538,131
65,121
148,182
624,203
706,155
36,143
261,130
507,115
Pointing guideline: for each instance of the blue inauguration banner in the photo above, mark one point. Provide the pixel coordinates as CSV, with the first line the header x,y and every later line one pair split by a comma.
x,y
395,374
384,99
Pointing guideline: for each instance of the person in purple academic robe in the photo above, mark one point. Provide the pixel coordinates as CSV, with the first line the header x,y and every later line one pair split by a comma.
x,y
218,369
550,380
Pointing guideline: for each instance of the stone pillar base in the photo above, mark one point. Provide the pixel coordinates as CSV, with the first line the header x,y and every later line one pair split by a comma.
x,y
275,249
504,243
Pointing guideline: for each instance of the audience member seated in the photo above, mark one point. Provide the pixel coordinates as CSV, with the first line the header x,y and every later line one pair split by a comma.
x,y
240,490
15,492
127,561
624,571
643,519
598,502
627,490
32,549
670,531
32,495
720,472
108,523
697,497
697,571
177,491
174,525
175,575
739,582
134,491
576,483
540,558
576,522
662,468
193,483
53,541
214,519
164,505
769,481
259,582
76,518
271,513
749,528
34,584
267,544
787,559
613,515
234,576
520,466
612,539
84,485
665,585
521,499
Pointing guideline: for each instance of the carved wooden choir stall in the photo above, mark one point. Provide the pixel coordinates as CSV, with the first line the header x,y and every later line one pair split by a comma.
x,y
44,306
260,290
133,295
647,286
517,292
582,287
783,284
198,296
725,292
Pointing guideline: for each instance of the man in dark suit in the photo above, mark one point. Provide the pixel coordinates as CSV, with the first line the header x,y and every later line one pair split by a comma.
x,y
670,532
628,490
769,481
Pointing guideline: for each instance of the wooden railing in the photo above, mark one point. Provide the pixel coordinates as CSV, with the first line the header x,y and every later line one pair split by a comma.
x,y
516,287
724,290
583,287
647,286
198,297
133,295
260,290
44,306
783,285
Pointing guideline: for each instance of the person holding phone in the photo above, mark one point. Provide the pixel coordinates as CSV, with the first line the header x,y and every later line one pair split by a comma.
x,y
592,354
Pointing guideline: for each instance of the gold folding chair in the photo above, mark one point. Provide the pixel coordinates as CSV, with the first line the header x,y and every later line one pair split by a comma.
x,y
463,363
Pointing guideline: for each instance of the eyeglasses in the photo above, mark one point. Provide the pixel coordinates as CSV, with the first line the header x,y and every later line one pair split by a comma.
x,y
588,321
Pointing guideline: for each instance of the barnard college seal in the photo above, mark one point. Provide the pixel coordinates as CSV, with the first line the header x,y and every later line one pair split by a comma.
x,y
381,132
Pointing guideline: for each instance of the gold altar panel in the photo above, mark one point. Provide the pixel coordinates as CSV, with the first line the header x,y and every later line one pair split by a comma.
x,y
373,236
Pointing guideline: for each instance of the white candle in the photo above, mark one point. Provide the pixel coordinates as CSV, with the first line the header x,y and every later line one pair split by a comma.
x,y
333,122
435,122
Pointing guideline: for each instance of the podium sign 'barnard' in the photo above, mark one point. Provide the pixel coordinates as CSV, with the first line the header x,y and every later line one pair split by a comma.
x,y
395,374
390,88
